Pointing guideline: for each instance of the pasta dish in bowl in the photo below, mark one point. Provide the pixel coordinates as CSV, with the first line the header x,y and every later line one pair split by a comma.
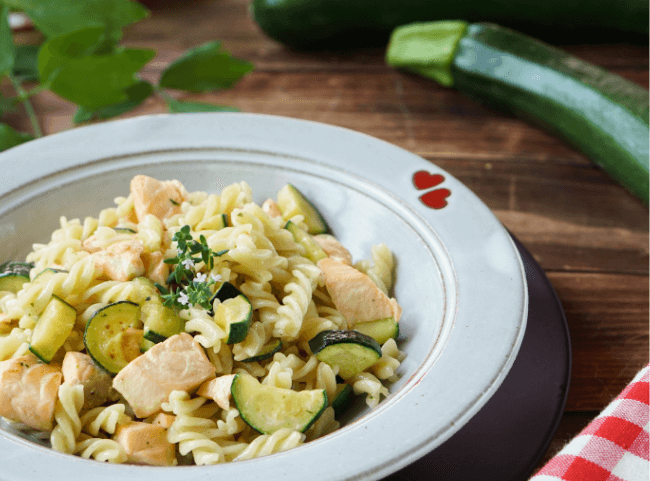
x,y
244,292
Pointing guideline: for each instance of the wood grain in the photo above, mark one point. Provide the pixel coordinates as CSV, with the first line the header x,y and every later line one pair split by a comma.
x,y
589,234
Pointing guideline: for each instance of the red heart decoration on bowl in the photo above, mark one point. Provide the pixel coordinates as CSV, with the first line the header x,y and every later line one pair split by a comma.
x,y
436,198
424,180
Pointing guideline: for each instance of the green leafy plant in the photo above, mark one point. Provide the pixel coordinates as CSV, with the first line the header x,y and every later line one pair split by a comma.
x,y
188,286
82,61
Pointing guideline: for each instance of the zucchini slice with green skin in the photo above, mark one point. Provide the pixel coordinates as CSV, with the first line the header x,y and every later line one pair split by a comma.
x,y
160,322
52,329
601,114
380,330
291,202
104,332
226,291
343,397
266,352
146,345
235,316
45,274
351,351
313,251
268,408
13,275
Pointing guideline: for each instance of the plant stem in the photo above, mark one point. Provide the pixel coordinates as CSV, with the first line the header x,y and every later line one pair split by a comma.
x,y
24,97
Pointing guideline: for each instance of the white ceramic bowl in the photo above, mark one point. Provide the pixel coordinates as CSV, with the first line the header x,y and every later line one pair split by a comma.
x,y
459,277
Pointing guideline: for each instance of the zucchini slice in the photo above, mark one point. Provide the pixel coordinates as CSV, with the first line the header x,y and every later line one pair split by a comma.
x,y
343,397
268,408
104,333
52,329
146,345
314,252
226,291
351,351
45,274
291,202
266,352
235,316
124,230
160,322
380,330
13,275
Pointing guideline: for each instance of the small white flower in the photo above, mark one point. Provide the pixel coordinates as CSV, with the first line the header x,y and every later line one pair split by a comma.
x,y
183,299
215,277
200,277
188,263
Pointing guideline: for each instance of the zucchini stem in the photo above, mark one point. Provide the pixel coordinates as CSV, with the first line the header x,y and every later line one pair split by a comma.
x,y
426,48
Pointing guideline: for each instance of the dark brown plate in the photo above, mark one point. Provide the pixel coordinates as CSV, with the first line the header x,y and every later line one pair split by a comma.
x,y
508,437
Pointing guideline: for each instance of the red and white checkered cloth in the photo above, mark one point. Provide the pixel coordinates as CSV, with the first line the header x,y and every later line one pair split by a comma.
x,y
614,446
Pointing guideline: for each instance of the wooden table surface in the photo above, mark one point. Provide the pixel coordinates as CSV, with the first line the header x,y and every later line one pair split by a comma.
x,y
588,234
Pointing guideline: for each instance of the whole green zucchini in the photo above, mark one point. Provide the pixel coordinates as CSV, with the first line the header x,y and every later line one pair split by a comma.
x,y
602,114
344,24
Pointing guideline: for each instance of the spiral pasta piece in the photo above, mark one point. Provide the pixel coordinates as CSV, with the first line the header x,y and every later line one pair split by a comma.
x,y
192,433
208,333
103,450
105,419
66,415
265,444
386,367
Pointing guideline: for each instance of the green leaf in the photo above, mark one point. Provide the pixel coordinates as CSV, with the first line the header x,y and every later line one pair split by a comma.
x,y
58,17
204,68
73,68
136,94
181,106
7,48
26,63
10,137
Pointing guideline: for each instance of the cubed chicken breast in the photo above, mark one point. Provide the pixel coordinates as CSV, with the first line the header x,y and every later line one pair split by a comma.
x,y
79,368
155,269
145,443
151,196
121,261
271,208
333,248
178,363
28,391
218,389
355,295
164,420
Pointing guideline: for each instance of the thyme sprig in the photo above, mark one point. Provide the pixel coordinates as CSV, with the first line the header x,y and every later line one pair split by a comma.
x,y
187,287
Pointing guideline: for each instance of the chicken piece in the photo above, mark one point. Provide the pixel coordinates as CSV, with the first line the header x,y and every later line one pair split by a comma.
x,y
218,389
145,443
79,368
271,208
178,363
164,420
151,196
355,295
333,248
95,244
131,342
28,391
121,261
7,324
155,268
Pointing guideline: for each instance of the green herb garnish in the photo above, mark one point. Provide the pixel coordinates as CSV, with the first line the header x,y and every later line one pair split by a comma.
x,y
81,60
188,287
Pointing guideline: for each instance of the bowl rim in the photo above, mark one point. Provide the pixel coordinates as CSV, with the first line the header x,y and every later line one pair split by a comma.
x,y
363,159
